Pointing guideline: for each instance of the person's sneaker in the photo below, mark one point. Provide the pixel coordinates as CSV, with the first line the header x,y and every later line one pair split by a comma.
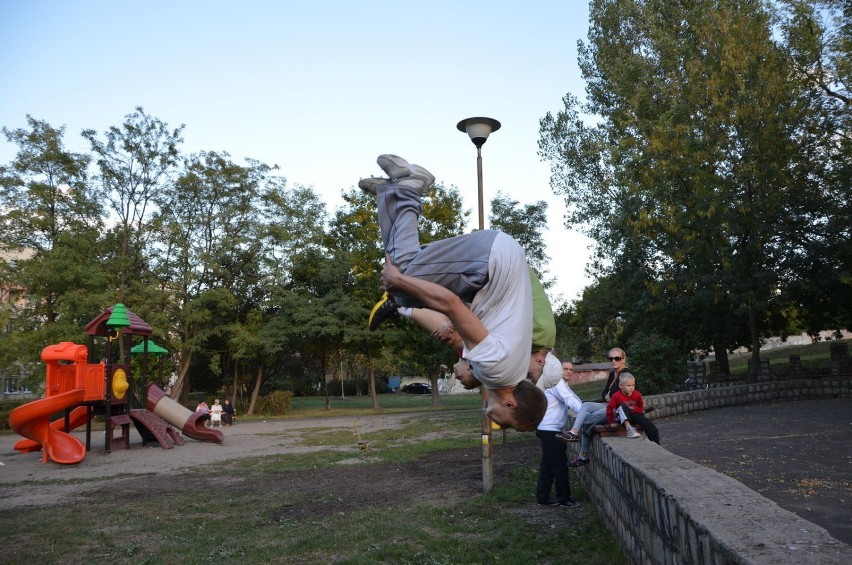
x,y
570,503
632,433
370,185
548,502
384,309
420,179
405,174
395,166
578,461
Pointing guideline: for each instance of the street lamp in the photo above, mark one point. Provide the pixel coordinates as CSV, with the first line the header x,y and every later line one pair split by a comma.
x,y
479,129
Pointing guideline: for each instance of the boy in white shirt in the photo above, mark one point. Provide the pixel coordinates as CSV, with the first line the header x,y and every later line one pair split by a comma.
x,y
553,469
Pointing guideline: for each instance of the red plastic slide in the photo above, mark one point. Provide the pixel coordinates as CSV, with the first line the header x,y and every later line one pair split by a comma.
x,y
32,421
192,424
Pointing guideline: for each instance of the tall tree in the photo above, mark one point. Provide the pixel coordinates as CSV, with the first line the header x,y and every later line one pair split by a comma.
x,y
135,162
50,221
292,235
208,254
818,35
701,176
525,223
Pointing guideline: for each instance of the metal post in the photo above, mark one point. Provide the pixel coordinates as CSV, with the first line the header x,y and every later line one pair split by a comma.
x,y
487,451
478,129
479,180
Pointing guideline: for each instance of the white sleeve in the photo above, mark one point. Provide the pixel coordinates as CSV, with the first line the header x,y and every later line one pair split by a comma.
x,y
568,397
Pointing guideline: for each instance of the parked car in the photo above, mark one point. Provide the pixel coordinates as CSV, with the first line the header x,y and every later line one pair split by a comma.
x,y
417,388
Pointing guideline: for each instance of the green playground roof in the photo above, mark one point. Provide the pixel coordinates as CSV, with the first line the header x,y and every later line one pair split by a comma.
x,y
153,349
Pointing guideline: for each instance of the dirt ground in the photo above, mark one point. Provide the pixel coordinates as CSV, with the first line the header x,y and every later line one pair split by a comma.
x,y
794,453
442,476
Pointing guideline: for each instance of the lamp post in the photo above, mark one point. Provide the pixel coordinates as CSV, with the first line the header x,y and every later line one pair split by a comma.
x,y
479,129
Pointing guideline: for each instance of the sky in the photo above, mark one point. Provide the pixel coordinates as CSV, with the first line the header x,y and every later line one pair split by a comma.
x,y
319,88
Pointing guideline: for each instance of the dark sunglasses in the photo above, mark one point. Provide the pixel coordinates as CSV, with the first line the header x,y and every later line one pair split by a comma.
x,y
615,358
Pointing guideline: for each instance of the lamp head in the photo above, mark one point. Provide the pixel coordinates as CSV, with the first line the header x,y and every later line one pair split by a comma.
x,y
478,129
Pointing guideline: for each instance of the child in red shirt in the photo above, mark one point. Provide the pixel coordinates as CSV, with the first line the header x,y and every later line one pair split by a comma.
x,y
628,407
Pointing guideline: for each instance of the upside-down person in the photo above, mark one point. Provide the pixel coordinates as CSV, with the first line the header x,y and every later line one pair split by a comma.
x,y
478,281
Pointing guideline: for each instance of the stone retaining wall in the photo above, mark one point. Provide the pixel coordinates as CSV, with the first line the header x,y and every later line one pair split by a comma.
x,y
666,509
736,394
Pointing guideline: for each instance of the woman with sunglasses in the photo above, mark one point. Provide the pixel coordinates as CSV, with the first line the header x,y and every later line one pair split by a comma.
x,y
618,364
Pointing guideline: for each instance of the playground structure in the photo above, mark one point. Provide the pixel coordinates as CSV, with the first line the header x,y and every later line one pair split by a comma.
x,y
82,387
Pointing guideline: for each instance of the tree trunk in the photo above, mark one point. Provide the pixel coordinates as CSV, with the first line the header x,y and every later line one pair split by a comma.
x,y
256,390
372,384
325,384
180,389
755,345
234,385
722,362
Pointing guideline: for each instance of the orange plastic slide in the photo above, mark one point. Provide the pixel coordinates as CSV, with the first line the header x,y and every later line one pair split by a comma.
x,y
32,421
76,418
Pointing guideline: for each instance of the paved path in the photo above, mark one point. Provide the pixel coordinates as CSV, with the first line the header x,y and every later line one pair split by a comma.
x,y
797,454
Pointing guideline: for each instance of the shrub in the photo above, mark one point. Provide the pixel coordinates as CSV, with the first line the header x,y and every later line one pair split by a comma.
x,y
656,361
4,416
6,406
276,403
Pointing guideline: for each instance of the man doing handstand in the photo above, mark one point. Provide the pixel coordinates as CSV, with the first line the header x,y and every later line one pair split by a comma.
x,y
486,269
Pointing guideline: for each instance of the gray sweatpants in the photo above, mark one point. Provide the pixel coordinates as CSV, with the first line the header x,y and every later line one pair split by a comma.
x,y
459,264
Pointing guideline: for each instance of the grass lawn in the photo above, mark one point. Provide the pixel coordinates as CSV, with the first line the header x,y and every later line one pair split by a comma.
x,y
813,355
287,508
314,406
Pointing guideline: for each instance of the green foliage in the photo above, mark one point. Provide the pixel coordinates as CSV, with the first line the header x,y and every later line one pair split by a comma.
x,y
276,403
815,355
6,406
712,181
656,361
135,162
45,190
49,226
587,329
525,224
571,336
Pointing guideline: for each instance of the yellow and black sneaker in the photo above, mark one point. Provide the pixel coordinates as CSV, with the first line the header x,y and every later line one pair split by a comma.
x,y
384,309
